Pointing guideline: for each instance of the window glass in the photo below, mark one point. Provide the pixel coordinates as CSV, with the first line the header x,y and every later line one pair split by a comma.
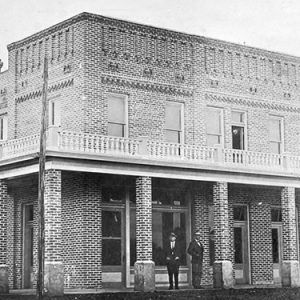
x,y
116,115
214,126
173,125
276,215
55,112
168,196
240,213
116,109
111,238
275,131
113,194
237,117
275,245
237,137
3,127
238,245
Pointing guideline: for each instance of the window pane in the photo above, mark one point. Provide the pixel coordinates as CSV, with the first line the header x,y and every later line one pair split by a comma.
x,y
238,245
111,224
240,213
111,252
213,140
116,129
116,109
172,136
237,137
213,122
113,194
275,147
275,130
276,215
132,236
275,246
237,117
173,116
168,196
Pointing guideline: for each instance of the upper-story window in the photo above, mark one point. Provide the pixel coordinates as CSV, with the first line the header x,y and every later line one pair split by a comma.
x,y
238,130
214,126
3,128
276,134
54,113
174,122
117,115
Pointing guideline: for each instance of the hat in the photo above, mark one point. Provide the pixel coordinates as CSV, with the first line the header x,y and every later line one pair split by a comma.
x,y
173,234
198,232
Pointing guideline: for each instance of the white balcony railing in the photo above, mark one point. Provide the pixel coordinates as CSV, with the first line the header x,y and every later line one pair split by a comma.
x,y
145,149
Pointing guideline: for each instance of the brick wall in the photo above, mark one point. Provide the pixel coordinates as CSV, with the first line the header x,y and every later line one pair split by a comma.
x,y
3,222
143,218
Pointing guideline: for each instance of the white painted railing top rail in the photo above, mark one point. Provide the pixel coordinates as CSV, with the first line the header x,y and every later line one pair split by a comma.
x,y
82,142
19,147
142,148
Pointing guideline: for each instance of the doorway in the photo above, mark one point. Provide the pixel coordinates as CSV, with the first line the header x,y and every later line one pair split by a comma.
x,y
241,243
28,276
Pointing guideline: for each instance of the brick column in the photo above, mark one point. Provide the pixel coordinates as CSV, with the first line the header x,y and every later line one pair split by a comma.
x,y
223,271
3,237
53,267
144,276
290,264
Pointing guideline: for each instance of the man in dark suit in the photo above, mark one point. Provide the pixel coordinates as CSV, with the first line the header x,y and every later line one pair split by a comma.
x,y
195,249
172,259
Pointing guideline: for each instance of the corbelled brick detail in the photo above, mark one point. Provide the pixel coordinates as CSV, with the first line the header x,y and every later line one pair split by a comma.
x,y
289,230
143,219
221,222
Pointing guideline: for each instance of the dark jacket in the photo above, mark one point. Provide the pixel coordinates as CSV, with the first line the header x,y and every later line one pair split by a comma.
x,y
196,251
171,255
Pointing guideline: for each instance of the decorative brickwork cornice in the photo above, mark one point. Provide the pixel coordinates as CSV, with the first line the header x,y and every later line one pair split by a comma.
x,y
247,101
147,85
52,88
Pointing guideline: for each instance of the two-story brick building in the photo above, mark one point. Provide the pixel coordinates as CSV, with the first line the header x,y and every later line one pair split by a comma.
x,y
150,131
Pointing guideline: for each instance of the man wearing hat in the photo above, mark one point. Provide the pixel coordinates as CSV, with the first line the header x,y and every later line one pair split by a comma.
x,y
172,259
195,249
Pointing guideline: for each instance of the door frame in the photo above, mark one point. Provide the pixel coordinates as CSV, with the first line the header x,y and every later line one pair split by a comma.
x,y
24,224
246,250
122,267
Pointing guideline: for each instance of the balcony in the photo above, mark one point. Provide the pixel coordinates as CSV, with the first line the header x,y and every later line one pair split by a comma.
x,y
145,150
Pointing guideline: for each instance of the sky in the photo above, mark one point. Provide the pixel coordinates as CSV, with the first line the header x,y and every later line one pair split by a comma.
x,y
268,24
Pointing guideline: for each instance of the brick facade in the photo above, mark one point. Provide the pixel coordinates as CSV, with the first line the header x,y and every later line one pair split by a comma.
x,y
92,57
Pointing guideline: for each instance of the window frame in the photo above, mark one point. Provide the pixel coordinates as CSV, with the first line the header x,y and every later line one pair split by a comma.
x,y
3,127
240,124
281,120
125,99
181,132
54,113
221,112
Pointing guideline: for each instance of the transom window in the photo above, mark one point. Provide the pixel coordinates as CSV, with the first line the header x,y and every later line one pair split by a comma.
x,y
214,126
276,134
174,122
3,127
117,115
238,130
276,215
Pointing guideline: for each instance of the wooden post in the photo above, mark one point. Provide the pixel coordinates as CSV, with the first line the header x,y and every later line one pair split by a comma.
x,y
42,158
